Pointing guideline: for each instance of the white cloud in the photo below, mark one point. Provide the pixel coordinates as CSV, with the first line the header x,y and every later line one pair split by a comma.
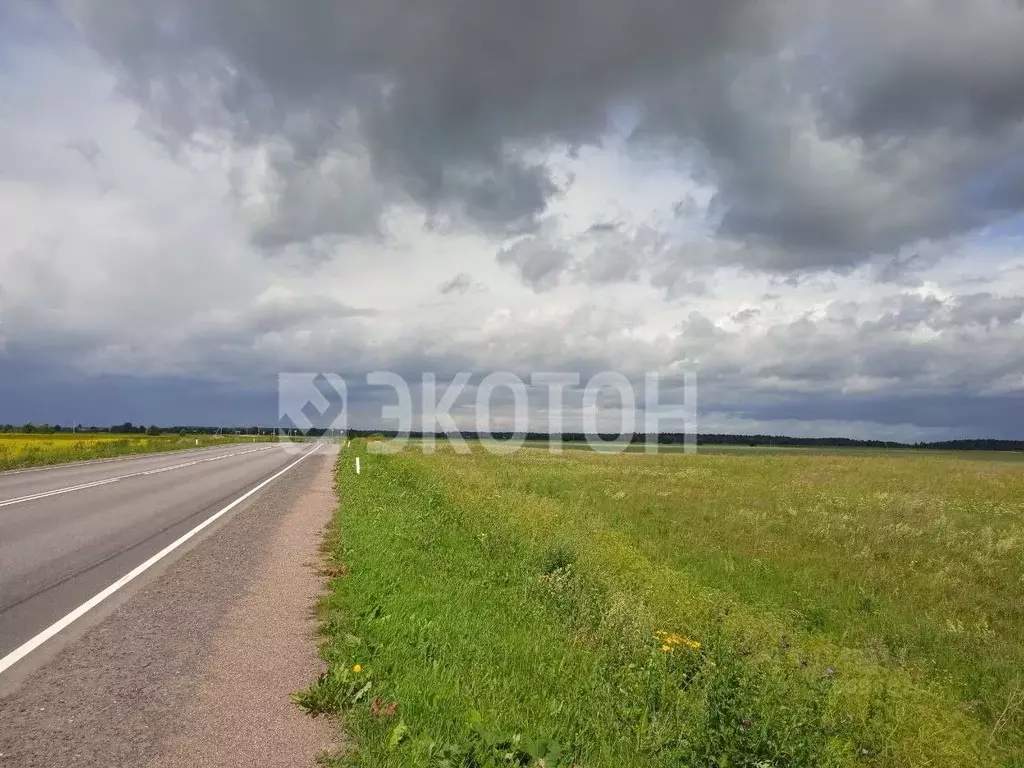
x,y
232,260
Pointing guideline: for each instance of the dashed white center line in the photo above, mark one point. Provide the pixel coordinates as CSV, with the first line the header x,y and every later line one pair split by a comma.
x,y
26,648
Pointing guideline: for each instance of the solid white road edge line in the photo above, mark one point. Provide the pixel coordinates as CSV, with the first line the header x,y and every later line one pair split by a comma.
x,y
83,486
27,647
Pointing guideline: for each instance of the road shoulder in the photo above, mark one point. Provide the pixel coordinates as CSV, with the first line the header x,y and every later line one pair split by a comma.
x,y
242,715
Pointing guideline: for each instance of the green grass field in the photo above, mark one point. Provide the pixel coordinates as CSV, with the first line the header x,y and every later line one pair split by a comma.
x,y
18,451
731,609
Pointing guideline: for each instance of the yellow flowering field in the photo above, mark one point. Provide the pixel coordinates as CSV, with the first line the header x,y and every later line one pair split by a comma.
x,y
19,450
740,608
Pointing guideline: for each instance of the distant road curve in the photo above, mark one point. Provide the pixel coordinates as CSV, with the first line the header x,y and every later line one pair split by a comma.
x,y
72,536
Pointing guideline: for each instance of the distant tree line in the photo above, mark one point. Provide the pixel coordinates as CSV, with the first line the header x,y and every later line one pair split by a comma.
x,y
753,441
974,444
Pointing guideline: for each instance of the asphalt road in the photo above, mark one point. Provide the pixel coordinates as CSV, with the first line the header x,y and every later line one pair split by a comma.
x,y
193,662
68,532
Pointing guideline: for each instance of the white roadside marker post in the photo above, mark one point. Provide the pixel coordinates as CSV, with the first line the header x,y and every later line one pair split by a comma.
x,y
357,465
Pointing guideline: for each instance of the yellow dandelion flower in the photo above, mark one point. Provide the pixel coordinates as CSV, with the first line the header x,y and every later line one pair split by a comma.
x,y
357,668
667,649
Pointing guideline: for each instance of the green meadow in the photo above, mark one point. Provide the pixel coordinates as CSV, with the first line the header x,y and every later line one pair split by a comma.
x,y
734,608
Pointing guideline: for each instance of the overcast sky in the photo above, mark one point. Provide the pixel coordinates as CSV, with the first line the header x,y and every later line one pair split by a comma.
x,y
816,206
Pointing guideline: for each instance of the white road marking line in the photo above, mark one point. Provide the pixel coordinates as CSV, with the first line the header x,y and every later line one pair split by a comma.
x,y
126,457
57,492
83,486
27,647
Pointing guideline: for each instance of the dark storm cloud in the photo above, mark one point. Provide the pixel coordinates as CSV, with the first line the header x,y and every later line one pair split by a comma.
x,y
960,415
440,89
106,400
951,65
833,131
926,97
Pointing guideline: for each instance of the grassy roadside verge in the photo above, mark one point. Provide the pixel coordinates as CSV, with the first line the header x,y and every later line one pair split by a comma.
x,y
18,451
487,612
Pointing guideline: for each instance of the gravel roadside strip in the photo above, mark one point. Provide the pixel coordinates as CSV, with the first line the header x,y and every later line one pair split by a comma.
x,y
242,715
195,668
